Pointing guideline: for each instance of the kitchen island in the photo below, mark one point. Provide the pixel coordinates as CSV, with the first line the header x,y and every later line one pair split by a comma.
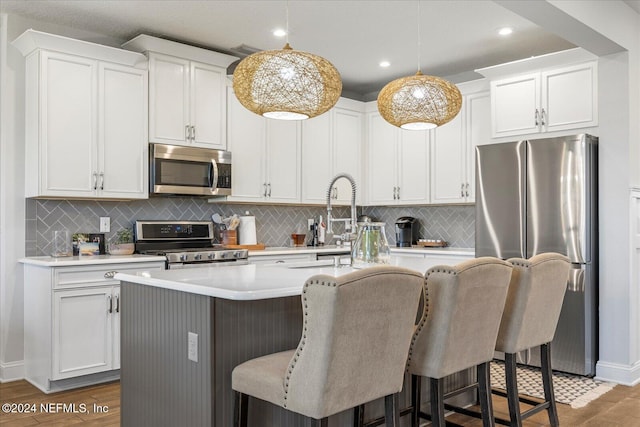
x,y
183,332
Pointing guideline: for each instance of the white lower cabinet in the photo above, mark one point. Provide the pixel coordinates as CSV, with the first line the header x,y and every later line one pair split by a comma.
x,y
91,345
72,323
282,259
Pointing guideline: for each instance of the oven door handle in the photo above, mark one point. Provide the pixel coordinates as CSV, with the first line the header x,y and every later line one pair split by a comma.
x,y
213,175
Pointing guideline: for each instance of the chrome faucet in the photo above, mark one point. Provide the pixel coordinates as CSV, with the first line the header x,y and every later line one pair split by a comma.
x,y
350,223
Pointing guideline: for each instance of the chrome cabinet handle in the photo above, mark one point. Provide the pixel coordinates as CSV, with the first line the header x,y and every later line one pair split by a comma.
x,y
101,180
462,190
110,304
264,185
269,187
95,181
117,303
398,193
110,274
336,193
394,193
187,132
542,117
536,117
466,189
193,133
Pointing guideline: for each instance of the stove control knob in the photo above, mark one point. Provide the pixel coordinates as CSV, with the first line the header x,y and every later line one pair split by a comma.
x,y
183,257
198,257
237,254
211,256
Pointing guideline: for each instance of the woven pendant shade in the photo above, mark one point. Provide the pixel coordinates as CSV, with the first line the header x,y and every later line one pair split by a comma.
x,y
286,84
419,102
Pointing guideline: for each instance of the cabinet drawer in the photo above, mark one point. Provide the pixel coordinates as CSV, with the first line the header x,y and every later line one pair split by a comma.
x,y
72,277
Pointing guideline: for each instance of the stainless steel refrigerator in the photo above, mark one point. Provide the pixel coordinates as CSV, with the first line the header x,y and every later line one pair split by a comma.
x,y
539,196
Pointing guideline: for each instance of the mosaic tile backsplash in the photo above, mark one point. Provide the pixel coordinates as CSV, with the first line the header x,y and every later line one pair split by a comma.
x,y
274,224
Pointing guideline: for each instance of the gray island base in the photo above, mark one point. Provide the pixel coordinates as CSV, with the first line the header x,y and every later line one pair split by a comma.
x,y
161,386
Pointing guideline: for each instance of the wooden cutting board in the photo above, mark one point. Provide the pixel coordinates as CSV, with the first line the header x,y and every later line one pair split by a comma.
x,y
256,247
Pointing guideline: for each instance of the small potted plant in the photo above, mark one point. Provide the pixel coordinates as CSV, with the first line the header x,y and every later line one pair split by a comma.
x,y
123,243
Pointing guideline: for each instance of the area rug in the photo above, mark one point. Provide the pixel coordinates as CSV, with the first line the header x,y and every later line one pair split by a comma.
x,y
572,390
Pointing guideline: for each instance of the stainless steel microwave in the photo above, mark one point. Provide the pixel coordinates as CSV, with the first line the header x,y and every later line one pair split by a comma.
x,y
179,170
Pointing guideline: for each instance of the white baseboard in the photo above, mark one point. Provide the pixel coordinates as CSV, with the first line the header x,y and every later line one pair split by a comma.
x,y
621,374
11,371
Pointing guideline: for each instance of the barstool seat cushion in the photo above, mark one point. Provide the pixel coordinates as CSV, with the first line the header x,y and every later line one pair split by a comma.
x,y
269,383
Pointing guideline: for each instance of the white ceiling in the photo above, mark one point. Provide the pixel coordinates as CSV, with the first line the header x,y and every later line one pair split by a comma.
x,y
456,36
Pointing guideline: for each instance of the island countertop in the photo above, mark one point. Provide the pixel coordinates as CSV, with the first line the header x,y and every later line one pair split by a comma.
x,y
251,281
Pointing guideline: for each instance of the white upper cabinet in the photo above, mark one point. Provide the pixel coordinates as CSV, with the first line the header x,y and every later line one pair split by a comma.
x,y
85,119
187,92
266,156
453,148
332,144
554,92
398,163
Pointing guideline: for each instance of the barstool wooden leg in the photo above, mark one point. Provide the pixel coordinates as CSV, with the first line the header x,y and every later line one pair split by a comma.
x,y
437,402
547,383
484,395
391,410
416,397
240,406
512,389
358,416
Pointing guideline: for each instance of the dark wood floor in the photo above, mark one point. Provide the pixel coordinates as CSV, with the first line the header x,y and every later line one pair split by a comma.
x,y
619,407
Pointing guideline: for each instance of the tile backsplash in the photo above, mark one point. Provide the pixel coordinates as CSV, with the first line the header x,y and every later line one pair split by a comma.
x,y
274,223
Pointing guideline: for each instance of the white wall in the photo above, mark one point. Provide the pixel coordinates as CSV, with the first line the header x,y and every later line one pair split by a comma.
x,y
12,202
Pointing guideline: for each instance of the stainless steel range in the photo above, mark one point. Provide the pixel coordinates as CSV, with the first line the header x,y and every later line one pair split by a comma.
x,y
184,243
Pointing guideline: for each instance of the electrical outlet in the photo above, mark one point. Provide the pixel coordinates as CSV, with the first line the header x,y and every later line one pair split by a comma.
x,y
192,347
105,224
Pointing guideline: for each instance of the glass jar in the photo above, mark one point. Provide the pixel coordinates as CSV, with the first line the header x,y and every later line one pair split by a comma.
x,y
370,247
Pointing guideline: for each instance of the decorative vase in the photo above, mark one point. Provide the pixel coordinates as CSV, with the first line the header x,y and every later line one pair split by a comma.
x,y
370,247
121,248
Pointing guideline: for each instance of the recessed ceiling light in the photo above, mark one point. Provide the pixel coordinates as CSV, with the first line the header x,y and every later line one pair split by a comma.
x,y
505,31
279,32
384,64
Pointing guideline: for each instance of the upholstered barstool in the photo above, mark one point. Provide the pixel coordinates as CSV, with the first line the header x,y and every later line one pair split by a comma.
x,y
354,345
530,317
458,331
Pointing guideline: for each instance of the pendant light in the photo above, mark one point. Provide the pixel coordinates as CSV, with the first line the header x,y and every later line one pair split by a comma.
x,y
286,84
419,102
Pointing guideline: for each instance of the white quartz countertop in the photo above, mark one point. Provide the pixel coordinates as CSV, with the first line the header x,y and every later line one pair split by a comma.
x,y
48,261
252,281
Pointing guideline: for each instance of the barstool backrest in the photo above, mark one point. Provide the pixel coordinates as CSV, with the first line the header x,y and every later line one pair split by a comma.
x,y
459,326
356,336
534,301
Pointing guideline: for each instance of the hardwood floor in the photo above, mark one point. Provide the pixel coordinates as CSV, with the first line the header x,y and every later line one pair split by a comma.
x,y
618,408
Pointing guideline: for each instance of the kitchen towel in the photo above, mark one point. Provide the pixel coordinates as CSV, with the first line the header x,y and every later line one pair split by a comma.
x,y
247,230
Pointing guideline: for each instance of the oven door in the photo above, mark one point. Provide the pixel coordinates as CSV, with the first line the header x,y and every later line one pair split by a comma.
x,y
187,170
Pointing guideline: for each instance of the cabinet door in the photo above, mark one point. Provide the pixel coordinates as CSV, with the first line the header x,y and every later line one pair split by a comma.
x,y
347,142
82,331
448,162
283,161
168,99
207,110
383,146
246,139
68,137
316,159
515,104
413,170
122,142
569,97
478,119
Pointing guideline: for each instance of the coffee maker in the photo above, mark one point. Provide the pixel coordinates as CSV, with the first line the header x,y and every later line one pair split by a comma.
x,y
406,231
